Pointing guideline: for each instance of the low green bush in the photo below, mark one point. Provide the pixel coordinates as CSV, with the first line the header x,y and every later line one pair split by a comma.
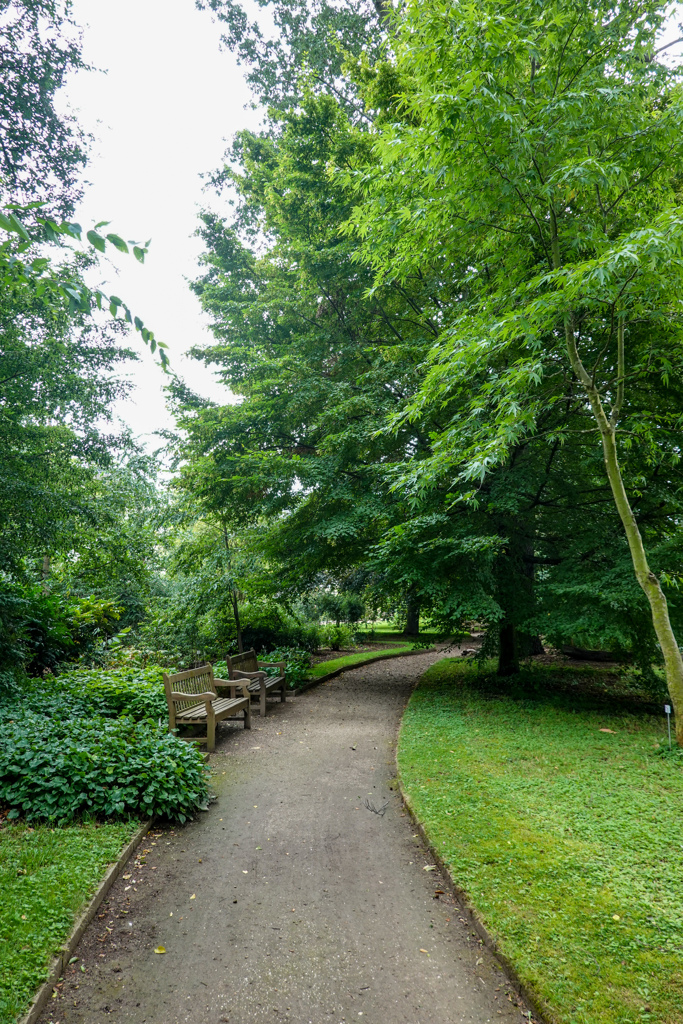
x,y
56,769
298,664
338,637
135,692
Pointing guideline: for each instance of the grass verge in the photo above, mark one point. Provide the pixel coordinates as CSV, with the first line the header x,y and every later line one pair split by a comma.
x,y
46,877
323,667
567,840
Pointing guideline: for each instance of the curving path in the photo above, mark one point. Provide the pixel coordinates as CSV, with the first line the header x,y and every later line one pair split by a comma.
x,y
290,900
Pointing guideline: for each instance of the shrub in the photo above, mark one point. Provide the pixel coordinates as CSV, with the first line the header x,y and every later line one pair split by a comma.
x,y
298,664
56,769
136,692
338,637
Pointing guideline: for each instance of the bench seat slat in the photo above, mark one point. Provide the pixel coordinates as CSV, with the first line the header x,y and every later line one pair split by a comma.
x,y
220,705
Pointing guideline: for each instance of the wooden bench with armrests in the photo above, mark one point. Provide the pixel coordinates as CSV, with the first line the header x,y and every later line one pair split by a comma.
x,y
248,667
193,700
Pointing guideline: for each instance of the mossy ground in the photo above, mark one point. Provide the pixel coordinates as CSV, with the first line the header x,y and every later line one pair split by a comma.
x,y
46,877
567,839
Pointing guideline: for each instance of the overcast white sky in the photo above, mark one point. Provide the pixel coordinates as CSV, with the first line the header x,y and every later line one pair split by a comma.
x,y
160,115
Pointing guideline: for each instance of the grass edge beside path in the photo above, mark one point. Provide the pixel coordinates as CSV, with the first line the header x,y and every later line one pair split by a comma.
x,y
565,838
47,876
323,667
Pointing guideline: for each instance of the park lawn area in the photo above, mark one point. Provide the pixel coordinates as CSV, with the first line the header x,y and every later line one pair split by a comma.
x,y
323,667
46,877
567,840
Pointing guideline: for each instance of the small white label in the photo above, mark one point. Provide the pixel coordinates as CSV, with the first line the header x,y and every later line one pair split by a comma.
x,y
667,709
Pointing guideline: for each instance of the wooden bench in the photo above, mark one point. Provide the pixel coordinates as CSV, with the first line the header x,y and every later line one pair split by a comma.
x,y
193,700
247,666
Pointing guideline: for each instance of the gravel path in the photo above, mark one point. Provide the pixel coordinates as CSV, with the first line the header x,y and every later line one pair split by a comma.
x,y
289,900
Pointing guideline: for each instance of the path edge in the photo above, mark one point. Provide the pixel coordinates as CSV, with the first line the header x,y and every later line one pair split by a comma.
x,y
466,905
59,964
357,664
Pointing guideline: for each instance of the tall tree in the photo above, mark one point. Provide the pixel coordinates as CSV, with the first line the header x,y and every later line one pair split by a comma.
x,y
537,159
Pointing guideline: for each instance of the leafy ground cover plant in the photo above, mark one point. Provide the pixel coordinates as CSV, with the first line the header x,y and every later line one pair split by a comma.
x,y
46,876
57,769
135,692
561,821
298,664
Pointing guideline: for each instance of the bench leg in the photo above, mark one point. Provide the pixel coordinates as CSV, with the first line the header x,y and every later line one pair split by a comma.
x,y
262,701
282,694
247,715
211,733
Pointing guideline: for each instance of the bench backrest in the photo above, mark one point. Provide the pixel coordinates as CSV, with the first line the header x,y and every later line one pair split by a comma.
x,y
194,680
245,662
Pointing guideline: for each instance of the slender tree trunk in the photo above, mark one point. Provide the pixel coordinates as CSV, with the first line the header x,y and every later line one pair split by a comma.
x,y
412,626
45,573
236,613
673,662
233,594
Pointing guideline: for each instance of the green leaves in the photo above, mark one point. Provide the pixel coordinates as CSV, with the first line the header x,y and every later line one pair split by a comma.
x,y
96,240
51,286
58,768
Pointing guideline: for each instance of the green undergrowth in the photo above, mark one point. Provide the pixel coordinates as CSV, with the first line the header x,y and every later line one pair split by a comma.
x,y
567,839
323,667
46,877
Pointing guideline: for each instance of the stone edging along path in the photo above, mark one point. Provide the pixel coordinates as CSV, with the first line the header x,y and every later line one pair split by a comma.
x,y
58,965
370,660
466,904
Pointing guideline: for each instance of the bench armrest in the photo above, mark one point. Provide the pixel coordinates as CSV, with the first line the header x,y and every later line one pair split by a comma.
x,y
233,686
239,674
196,698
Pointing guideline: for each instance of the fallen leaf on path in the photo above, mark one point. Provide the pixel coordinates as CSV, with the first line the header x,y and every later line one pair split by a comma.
x,y
607,730
193,896
127,877
429,867
354,746
160,949
425,951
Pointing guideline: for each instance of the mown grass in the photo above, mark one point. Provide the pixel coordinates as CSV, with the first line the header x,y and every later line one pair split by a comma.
x,y
46,877
323,667
566,839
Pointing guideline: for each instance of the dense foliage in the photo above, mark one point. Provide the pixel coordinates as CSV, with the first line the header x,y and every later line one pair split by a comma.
x,y
59,768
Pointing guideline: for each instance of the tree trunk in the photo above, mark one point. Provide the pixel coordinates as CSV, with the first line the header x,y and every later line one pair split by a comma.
x,y
236,613
233,593
45,572
508,651
673,662
412,626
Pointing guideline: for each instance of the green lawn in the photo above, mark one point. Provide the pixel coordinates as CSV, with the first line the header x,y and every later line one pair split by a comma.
x,y
323,667
390,631
568,840
46,877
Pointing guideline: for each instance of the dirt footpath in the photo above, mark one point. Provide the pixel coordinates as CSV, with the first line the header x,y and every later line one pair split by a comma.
x,y
290,900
